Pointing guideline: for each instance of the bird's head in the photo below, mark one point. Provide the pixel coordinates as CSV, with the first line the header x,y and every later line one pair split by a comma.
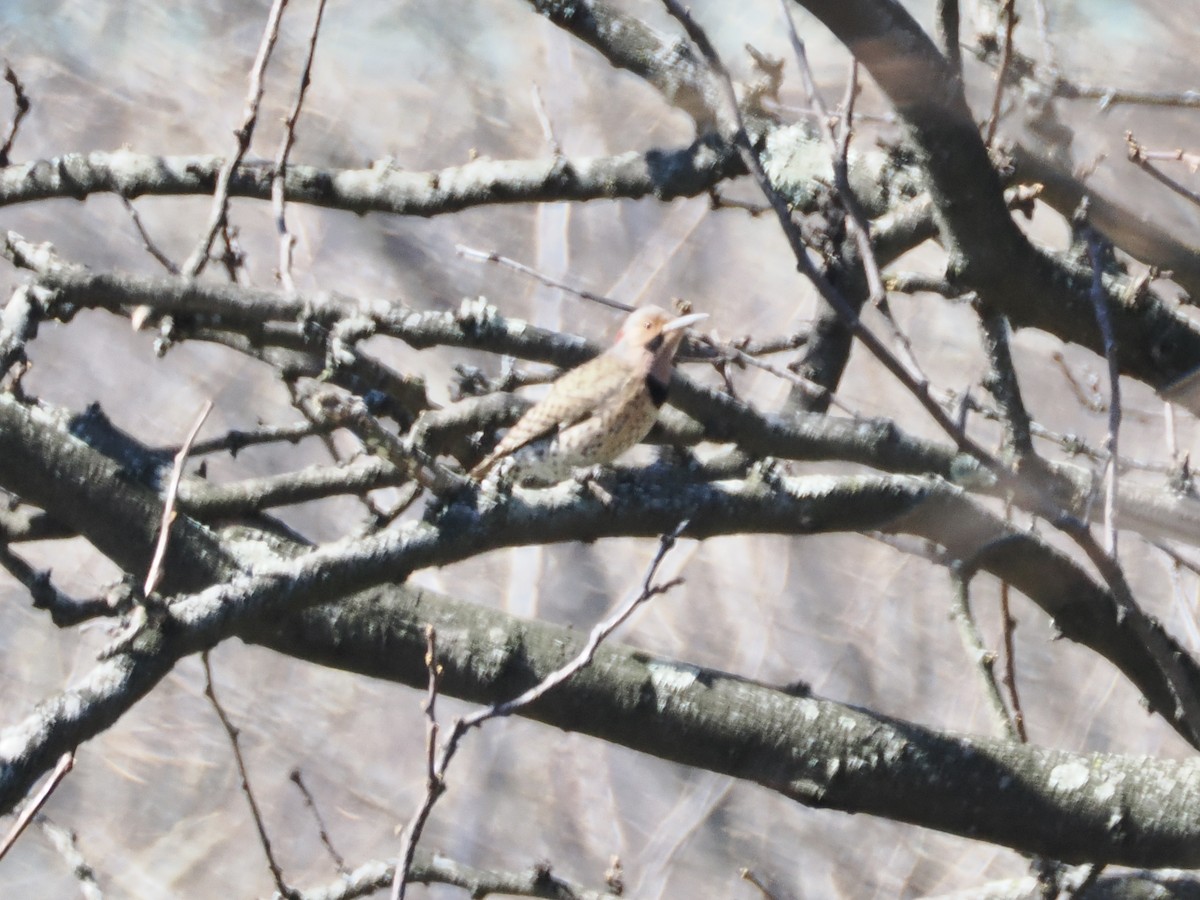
x,y
651,334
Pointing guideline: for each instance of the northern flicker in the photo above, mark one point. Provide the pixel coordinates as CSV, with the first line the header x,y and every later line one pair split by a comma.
x,y
597,411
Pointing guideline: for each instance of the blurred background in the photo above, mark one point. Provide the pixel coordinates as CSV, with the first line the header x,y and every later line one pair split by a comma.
x,y
155,801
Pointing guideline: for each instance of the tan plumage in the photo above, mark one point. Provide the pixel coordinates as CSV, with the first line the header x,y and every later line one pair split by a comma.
x,y
597,411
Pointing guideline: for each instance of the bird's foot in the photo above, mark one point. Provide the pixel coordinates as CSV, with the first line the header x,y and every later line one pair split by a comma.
x,y
587,479
500,480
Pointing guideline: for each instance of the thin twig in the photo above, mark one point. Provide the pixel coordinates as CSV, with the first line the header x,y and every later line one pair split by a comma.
x,y
436,768
435,782
65,763
22,105
1143,158
1109,97
543,117
164,533
1097,250
983,659
738,354
152,248
64,610
324,425
597,635
244,775
768,892
1006,54
235,440
493,257
1009,679
244,133
287,240
338,860
350,412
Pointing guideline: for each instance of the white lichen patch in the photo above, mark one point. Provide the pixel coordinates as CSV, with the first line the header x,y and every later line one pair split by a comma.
x,y
1068,776
672,677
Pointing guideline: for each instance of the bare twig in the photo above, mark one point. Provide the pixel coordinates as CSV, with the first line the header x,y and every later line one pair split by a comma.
x,y
244,775
219,214
235,440
1097,250
338,860
64,610
1006,54
65,763
350,412
718,201
919,282
493,257
983,659
1009,679
767,891
1144,159
543,117
152,248
324,425
164,534
287,240
22,105
537,881
1111,96
435,783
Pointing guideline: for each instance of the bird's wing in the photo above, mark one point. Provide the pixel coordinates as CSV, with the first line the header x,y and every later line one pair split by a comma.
x,y
590,389
579,394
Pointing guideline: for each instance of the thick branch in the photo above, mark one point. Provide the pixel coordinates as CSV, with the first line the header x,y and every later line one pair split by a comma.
x,y
665,174
816,751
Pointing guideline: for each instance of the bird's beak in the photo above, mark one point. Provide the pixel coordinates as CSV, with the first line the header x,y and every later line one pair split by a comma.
x,y
684,321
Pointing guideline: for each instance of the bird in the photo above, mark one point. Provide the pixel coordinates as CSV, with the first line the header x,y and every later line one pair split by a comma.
x,y
598,410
